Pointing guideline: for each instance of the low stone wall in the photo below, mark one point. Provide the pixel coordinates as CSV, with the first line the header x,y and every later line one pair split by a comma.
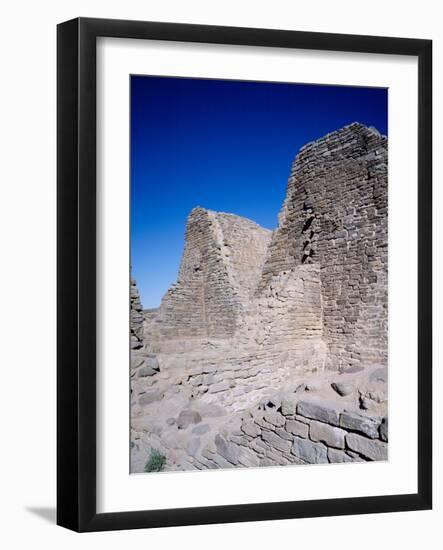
x,y
299,431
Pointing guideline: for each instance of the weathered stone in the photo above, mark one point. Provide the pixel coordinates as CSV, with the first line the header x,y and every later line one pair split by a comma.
x,y
149,397
240,440
145,371
152,362
330,435
342,388
276,441
289,405
248,458
355,456
358,423
249,427
310,452
297,428
370,448
136,361
283,434
201,429
208,379
193,446
274,418
317,411
336,456
187,417
218,460
227,450
196,380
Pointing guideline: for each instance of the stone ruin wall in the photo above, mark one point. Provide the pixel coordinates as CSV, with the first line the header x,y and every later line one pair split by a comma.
x,y
253,312
219,271
316,287
335,216
295,430
286,317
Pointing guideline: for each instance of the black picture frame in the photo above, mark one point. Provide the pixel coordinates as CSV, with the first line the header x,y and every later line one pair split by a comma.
x,y
76,266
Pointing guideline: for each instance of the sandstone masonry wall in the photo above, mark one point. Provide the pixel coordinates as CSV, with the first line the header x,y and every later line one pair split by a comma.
x,y
297,430
335,215
219,271
271,348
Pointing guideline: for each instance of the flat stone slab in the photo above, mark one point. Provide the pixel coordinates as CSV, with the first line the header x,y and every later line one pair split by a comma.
x,y
249,427
358,423
274,418
310,452
227,450
370,448
149,397
330,435
336,456
342,388
289,405
317,411
276,441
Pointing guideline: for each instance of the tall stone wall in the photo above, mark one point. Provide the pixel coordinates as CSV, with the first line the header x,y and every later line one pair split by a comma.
x,y
322,274
335,215
219,271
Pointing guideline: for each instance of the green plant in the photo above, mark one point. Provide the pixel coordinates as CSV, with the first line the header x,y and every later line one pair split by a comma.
x,y
155,462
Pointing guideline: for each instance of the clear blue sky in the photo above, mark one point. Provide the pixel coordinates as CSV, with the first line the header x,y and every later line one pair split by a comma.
x,y
223,145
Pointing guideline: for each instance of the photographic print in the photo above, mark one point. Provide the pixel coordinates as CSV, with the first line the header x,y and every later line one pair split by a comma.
x,y
259,274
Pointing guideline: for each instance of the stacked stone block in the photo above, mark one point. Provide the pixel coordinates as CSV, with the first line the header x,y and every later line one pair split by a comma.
x,y
219,271
335,215
298,430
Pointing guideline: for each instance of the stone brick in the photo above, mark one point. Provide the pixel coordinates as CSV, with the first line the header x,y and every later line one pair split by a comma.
x,y
297,428
336,456
276,441
370,448
310,452
359,423
317,411
330,435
